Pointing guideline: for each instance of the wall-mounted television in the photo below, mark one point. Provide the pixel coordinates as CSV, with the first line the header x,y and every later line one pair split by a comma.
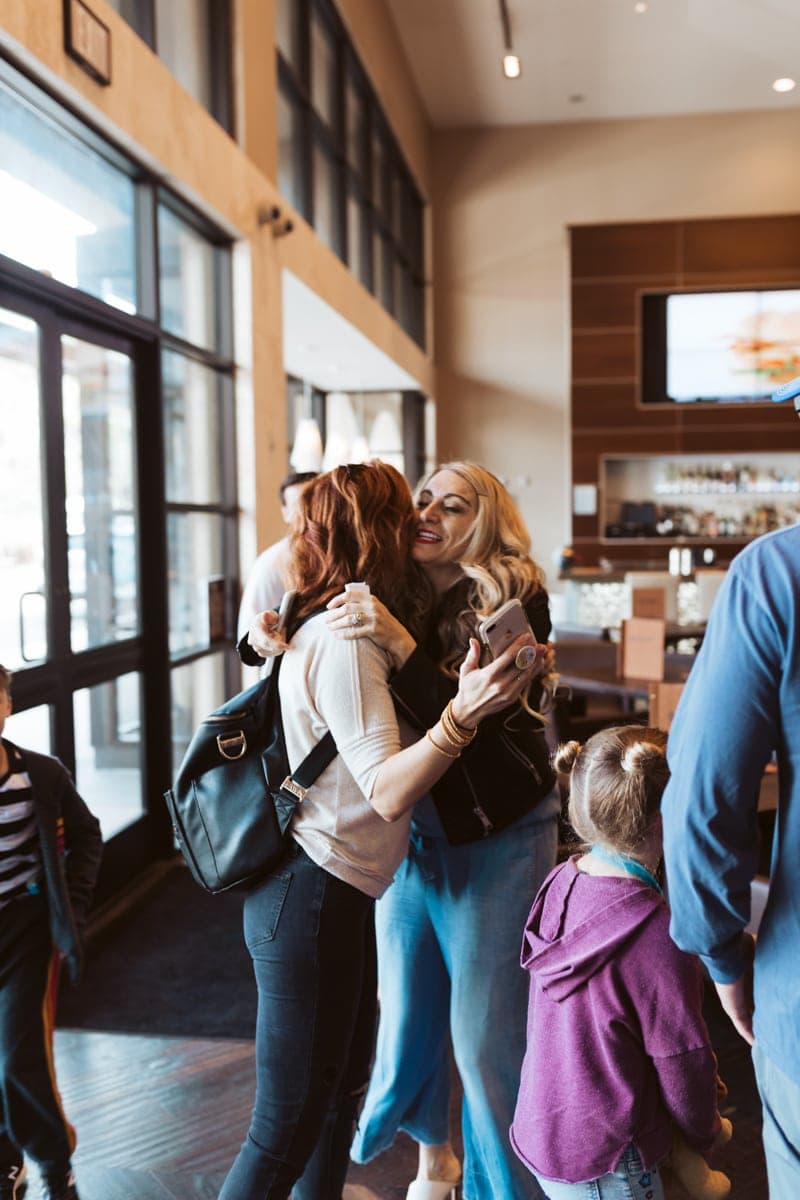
x,y
732,347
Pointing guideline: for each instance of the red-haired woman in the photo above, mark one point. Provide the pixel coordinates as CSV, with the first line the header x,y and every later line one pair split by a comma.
x,y
309,924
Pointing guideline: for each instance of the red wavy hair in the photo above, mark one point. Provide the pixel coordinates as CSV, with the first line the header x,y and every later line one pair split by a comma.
x,y
357,523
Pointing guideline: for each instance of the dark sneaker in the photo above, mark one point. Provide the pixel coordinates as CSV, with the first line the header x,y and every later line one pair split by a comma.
x,y
12,1181
60,1187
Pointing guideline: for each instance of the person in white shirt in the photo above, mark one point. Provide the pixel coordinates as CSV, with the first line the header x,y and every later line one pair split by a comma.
x,y
266,582
309,924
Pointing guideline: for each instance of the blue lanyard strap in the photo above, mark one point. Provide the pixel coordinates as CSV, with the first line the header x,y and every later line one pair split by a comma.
x,y
627,864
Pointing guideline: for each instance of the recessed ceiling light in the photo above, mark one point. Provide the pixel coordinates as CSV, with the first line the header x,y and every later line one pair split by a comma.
x,y
576,98
784,85
512,68
640,6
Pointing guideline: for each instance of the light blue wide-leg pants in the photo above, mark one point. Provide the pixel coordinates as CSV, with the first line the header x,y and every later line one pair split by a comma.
x,y
449,934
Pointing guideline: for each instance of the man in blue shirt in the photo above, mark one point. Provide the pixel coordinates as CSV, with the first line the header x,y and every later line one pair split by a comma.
x,y
741,702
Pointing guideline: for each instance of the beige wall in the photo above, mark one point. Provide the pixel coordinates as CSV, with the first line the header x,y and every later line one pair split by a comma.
x,y
502,202
153,118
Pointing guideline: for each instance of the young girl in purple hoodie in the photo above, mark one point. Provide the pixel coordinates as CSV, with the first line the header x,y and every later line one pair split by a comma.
x,y
617,1048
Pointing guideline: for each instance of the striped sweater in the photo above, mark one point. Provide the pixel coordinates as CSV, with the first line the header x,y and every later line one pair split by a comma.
x,y
20,858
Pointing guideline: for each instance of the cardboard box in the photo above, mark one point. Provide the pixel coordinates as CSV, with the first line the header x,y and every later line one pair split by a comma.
x,y
662,701
641,649
649,602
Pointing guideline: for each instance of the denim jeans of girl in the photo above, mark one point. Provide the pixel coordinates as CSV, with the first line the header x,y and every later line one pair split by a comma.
x,y
311,938
449,936
630,1181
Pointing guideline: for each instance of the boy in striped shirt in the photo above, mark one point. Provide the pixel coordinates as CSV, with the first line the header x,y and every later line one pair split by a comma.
x,y
50,850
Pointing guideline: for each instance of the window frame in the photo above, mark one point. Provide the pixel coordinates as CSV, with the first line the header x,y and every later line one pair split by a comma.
x,y
397,226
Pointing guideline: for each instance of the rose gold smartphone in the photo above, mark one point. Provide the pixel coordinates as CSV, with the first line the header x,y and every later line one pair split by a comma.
x,y
503,627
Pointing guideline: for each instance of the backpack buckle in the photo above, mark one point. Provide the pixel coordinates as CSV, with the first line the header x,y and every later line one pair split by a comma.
x,y
232,745
294,789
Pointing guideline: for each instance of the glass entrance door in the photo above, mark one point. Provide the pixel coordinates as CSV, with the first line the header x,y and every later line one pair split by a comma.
x,y
71,545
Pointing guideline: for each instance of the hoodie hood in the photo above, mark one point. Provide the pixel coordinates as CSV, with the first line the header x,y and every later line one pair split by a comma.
x,y
578,922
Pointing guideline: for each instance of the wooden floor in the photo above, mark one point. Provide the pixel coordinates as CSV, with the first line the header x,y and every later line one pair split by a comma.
x,y
162,1118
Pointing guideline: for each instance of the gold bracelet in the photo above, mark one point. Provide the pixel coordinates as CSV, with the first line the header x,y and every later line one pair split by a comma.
x,y
466,731
458,734
451,733
441,749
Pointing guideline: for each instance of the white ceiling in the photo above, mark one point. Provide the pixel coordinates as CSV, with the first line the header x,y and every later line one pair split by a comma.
x,y
680,56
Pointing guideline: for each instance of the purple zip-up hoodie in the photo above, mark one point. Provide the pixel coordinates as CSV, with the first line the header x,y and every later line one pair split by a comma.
x,y
617,1045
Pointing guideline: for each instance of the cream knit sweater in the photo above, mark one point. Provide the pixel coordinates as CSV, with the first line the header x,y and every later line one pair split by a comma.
x,y
327,683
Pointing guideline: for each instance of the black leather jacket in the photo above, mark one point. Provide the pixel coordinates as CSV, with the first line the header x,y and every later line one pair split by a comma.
x,y
71,847
505,771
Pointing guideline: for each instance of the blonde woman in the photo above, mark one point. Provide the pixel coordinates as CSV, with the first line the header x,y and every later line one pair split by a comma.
x,y
309,924
481,844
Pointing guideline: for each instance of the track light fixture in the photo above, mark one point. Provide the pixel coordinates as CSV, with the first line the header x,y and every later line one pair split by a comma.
x,y
273,216
512,67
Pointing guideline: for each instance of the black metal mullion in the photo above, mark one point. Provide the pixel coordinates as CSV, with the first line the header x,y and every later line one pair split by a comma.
x,y
55,536
413,419
223,284
220,50
208,358
153,575
62,297
319,411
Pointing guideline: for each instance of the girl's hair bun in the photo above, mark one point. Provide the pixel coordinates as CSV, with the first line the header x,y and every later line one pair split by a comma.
x,y
565,757
642,757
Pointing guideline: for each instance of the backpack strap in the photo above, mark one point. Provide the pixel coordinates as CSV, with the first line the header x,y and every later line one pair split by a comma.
x,y
300,780
297,782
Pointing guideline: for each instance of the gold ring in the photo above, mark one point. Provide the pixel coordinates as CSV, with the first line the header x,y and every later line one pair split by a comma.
x,y
357,618
525,657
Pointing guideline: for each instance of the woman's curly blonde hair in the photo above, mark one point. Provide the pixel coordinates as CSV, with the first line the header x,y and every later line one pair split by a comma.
x,y
495,559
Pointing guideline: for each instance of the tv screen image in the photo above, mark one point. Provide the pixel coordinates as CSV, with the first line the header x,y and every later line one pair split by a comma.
x,y
731,346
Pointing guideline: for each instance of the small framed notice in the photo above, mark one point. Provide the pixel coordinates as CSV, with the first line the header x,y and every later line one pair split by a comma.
x,y
641,649
584,500
87,39
649,602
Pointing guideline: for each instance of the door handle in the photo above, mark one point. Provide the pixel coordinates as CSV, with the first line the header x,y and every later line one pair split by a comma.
x,y
23,595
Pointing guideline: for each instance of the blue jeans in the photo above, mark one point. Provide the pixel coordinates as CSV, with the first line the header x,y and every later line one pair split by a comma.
x,y
780,1101
312,941
449,937
630,1181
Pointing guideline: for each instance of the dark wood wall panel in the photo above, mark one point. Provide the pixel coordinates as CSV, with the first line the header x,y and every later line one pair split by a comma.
x,y
604,355
754,276
611,266
779,421
605,251
751,244
600,304
611,405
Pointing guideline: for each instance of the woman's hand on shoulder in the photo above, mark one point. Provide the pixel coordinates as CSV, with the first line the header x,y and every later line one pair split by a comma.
x,y
490,689
263,635
368,617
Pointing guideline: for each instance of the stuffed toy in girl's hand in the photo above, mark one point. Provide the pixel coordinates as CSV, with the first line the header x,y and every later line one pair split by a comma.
x,y
693,1172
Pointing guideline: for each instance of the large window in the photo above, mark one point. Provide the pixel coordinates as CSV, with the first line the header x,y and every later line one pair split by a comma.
x,y
117,492
66,208
192,39
339,164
